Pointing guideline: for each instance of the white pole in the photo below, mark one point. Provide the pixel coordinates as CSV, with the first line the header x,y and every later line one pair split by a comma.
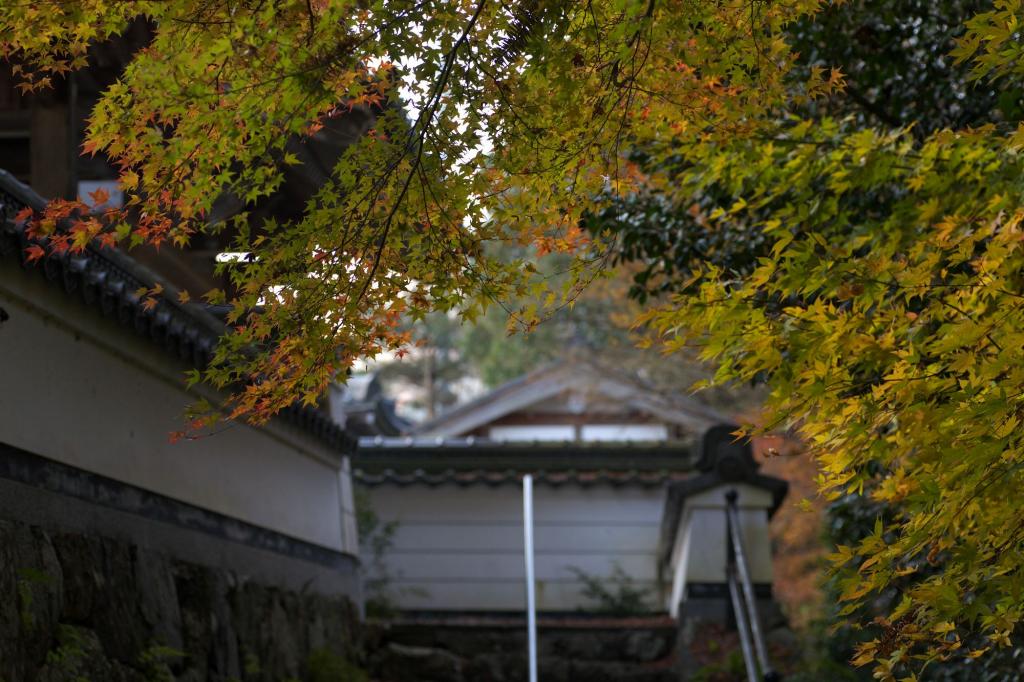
x,y
531,603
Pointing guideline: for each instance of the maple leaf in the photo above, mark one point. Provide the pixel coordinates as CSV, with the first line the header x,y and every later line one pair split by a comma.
x,y
129,180
100,196
24,215
107,240
33,253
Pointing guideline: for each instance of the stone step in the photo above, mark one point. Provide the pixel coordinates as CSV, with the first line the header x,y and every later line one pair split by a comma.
x,y
489,650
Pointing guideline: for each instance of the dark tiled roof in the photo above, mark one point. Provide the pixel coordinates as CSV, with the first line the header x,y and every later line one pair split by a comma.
x,y
107,279
644,478
472,461
375,417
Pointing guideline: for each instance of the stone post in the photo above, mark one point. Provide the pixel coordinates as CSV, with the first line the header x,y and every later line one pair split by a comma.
x,y
695,542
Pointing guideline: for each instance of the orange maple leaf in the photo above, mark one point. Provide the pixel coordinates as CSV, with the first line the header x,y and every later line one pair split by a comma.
x,y
100,196
24,215
149,303
34,253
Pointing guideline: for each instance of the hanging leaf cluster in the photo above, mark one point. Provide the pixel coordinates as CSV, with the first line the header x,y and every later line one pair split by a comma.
x,y
886,314
477,124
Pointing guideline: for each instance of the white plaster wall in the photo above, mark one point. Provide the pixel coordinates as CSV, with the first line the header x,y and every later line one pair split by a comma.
x,y
624,432
461,548
701,550
538,432
78,388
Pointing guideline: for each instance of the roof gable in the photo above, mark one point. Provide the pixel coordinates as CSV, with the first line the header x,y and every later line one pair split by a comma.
x,y
569,381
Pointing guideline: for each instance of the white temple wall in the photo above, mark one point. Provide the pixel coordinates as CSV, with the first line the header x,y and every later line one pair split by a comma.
x,y
461,547
80,389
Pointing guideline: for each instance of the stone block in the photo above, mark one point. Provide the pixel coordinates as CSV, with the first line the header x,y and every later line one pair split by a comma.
x,y
102,593
158,598
401,663
647,645
33,582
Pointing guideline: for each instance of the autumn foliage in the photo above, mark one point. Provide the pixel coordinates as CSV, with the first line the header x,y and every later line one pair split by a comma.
x,y
883,306
491,123
885,315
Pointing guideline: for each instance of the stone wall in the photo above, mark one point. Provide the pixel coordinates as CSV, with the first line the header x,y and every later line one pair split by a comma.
x,y
77,607
492,650
572,649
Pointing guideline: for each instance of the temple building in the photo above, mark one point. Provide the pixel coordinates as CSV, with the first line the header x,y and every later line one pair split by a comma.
x,y
606,452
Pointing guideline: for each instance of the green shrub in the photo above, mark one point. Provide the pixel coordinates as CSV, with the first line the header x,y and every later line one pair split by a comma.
x,y
326,666
616,595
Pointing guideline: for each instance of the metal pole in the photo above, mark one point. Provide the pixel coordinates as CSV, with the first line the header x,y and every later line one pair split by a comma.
x,y
748,587
741,625
531,600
